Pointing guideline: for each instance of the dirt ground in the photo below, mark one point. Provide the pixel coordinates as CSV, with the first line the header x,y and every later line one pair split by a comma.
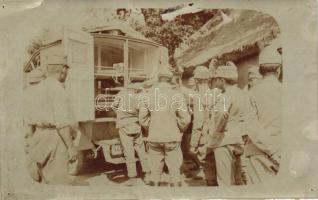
x,y
101,173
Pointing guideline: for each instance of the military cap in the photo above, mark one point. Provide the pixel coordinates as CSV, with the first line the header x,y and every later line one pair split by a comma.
x,y
201,72
227,71
36,75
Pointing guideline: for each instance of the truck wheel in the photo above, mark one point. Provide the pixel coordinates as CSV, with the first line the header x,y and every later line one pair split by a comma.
x,y
77,167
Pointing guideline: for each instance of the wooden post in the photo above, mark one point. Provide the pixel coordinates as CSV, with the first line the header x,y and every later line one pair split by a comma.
x,y
145,67
126,70
99,55
180,80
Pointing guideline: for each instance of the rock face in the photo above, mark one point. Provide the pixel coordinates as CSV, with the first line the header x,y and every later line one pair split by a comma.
x,y
233,38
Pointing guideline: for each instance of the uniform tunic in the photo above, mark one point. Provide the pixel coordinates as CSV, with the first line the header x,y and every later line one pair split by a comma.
x,y
203,122
264,130
47,156
237,104
166,116
126,111
32,104
267,95
229,140
130,131
203,126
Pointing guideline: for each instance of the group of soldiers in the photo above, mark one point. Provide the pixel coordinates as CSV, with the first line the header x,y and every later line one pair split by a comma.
x,y
154,115
237,141
234,139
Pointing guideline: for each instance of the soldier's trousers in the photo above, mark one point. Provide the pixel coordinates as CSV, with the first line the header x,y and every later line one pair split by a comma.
x,y
168,153
47,157
209,168
228,166
130,143
259,169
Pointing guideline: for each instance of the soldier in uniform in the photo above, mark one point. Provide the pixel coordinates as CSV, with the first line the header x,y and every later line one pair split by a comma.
x,y
203,123
188,91
165,116
34,79
130,134
263,146
226,140
51,147
33,88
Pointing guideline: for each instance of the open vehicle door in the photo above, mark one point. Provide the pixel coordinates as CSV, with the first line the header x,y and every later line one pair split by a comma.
x,y
79,48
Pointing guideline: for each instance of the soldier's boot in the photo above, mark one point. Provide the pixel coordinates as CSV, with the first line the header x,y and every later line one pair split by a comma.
x,y
147,178
132,181
211,183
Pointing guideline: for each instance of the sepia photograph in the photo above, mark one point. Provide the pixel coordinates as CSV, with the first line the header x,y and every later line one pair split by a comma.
x,y
171,96
123,98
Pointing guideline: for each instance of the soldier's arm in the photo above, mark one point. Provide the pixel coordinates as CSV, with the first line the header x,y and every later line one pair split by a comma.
x,y
198,116
29,131
256,131
65,133
260,137
221,118
184,117
263,138
62,119
62,115
144,114
222,109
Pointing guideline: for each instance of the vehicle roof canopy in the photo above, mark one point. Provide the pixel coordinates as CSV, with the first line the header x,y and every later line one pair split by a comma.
x,y
117,27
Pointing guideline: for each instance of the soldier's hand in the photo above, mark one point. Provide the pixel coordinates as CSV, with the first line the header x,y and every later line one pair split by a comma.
x,y
95,152
238,150
276,162
276,158
75,126
28,135
246,139
193,151
72,154
226,115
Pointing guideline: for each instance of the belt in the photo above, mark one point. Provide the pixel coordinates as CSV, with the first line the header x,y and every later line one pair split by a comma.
x,y
43,126
50,127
